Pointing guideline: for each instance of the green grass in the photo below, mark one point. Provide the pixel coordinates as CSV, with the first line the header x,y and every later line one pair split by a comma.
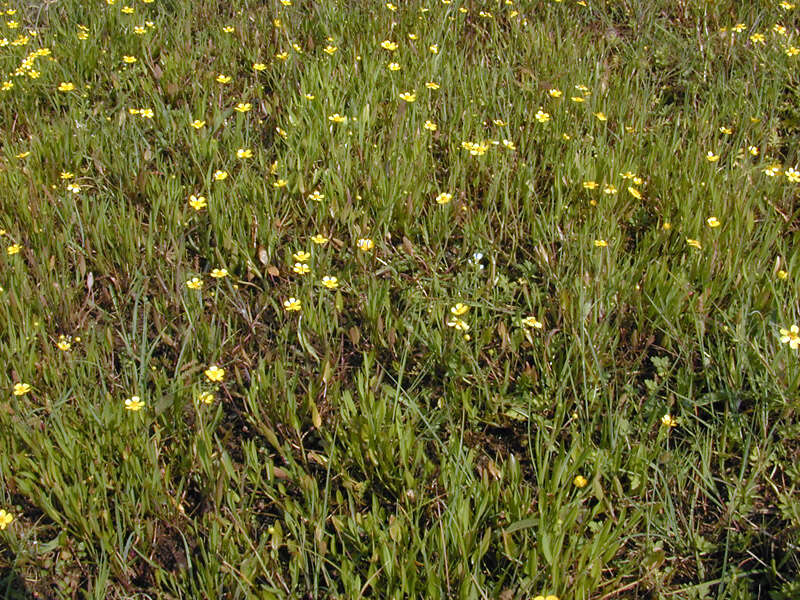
x,y
361,447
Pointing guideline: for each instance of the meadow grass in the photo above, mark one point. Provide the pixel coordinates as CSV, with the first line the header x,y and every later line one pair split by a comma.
x,y
556,358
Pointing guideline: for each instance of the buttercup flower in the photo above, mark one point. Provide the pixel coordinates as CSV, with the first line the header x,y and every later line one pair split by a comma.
x,y
20,389
301,256
713,222
219,273
205,397
388,45
791,336
243,107
444,198
66,86
459,309
220,175
694,243
580,481
532,322
292,305
13,249
316,196
195,283
330,282
365,244
244,153
301,268
5,519
600,243
669,421
408,97
429,125
319,239
197,202
215,373
223,78
198,124
458,324
134,403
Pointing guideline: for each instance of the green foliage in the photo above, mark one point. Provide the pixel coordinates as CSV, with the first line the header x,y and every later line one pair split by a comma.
x,y
612,412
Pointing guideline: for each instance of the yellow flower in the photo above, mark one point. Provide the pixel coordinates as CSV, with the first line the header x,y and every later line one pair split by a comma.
x,y
279,183
205,397
773,170
198,124
666,226
244,153
792,175
282,55
23,154
669,421
726,130
444,198
66,175
600,243
365,244
758,38
509,144
434,48
301,256
292,305
319,239
337,118
432,85
753,150
600,116
7,85
195,283
197,202
792,51
408,97
459,309
430,126
542,116
711,157
316,196
66,86
788,336
228,29
609,189
20,389
134,403
580,481
499,122
458,324
388,45
308,96
301,268
782,274
219,273
393,66
243,107
223,78
532,322
578,99
330,282
63,343
590,185
330,49
5,519
220,175
215,373
694,243
13,249
128,10
635,193
713,222
555,93
259,66
146,113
